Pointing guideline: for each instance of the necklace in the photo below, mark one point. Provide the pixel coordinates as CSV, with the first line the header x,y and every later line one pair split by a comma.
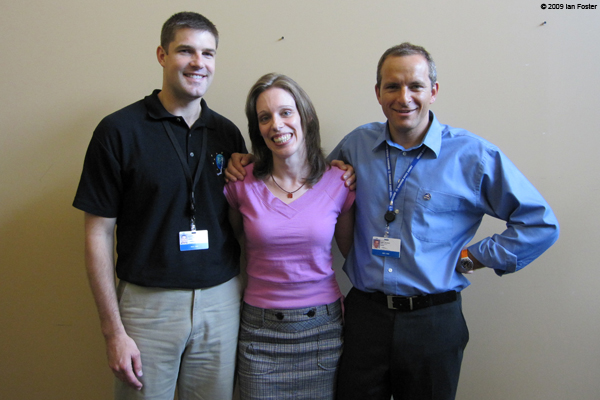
x,y
290,195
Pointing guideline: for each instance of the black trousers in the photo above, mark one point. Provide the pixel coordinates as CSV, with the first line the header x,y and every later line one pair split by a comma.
x,y
411,355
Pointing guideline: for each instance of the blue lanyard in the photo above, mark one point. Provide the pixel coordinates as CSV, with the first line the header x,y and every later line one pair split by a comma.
x,y
390,216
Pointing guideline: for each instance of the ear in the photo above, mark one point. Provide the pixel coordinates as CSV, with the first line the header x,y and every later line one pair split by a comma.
x,y
434,92
377,93
161,54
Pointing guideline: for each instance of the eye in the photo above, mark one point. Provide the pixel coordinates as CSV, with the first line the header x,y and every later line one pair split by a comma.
x,y
263,119
417,86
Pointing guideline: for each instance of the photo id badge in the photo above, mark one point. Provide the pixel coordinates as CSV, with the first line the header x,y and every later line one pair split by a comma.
x,y
193,240
385,247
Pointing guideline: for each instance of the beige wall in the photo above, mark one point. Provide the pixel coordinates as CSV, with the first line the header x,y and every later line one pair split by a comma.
x,y
531,89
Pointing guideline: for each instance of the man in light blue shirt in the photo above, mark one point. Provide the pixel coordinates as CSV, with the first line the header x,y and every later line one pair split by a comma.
x,y
423,189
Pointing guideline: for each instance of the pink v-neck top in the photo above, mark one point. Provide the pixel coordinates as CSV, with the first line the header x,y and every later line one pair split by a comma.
x,y
288,246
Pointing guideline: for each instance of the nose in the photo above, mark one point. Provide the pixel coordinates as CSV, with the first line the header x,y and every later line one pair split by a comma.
x,y
405,95
277,123
197,61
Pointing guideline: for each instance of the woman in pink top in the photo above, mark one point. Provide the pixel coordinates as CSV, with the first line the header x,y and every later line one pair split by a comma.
x,y
286,213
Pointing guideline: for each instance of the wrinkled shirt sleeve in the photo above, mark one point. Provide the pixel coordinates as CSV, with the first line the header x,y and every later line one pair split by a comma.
x,y
531,226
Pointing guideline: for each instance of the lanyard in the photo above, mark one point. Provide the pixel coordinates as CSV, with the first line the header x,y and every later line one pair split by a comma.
x,y
390,215
192,182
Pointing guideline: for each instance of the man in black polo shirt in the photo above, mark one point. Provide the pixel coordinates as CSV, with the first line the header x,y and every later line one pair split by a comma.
x,y
154,170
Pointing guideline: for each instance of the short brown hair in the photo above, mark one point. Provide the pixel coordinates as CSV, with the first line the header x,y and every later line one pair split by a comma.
x,y
407,49
182,20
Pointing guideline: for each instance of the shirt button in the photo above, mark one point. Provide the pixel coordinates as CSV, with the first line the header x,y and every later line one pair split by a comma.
x,y
390,270
192,154
404,153
427,196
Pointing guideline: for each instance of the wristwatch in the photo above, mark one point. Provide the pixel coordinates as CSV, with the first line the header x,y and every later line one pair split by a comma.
x,y
465,264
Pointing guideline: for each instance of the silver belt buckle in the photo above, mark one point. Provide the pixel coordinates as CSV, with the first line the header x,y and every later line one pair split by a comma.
x,y
390,302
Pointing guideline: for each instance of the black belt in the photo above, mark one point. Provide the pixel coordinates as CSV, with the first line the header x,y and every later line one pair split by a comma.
x,y
412,303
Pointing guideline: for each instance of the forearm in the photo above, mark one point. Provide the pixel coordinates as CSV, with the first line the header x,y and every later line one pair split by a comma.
x,y
122,352
516,247
99,260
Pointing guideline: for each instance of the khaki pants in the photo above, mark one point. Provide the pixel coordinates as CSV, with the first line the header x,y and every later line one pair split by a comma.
x,y
187,340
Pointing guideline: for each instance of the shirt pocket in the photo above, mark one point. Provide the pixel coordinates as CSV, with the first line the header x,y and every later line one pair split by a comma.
x,y
434,216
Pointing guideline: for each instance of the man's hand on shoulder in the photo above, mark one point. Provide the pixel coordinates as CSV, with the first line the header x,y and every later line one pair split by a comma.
x,y
235,166
124,359
349,176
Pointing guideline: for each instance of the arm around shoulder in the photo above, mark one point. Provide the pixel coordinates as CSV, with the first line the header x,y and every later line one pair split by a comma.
x,y
235,166
349,176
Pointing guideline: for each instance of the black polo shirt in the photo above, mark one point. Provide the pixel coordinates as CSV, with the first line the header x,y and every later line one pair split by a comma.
x,y
133,172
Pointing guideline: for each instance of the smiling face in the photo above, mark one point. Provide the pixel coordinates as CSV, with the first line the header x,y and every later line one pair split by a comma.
x,y
188,64
280,124
405,95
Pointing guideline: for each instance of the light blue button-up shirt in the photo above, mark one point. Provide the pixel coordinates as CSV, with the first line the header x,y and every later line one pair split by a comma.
x,y
460,178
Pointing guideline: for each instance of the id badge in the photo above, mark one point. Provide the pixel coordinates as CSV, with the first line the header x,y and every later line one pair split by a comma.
x,y
193,240
385,247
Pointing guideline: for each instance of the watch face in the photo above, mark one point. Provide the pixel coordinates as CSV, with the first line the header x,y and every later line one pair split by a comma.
x,y
466,264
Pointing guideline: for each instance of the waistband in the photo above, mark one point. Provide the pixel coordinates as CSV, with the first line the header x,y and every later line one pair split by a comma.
x,y
295,314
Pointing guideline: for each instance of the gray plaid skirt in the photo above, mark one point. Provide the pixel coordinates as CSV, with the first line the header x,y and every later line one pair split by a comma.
x,y
289,354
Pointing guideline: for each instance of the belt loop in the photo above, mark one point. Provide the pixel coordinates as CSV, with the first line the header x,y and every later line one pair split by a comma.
x,y
328,310
262,317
